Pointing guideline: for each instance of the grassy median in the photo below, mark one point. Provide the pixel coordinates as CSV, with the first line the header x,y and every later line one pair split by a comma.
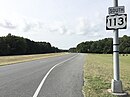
x,y
98,73
7,60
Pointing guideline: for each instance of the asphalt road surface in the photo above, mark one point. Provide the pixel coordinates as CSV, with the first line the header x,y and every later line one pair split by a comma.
x,y
60,76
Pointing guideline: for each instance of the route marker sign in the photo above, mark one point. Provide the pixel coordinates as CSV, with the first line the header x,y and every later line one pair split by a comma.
x,y
114,21
116,10
118,21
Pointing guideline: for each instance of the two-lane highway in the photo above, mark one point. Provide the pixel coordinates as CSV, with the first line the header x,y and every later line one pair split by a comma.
x,y
51,77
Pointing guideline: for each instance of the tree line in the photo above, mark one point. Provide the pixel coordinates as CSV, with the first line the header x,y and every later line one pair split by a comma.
x,y
15,45
103,46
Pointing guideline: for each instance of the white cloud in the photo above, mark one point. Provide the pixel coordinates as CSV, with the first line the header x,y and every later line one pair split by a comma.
x,y
31,25
85,26
7,24
82,27
90,27
58,27
20,24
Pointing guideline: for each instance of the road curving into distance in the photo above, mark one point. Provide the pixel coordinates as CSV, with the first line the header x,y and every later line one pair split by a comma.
x,y
60,76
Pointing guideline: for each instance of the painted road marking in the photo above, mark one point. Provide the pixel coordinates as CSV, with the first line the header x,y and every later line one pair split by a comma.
x,y
47,74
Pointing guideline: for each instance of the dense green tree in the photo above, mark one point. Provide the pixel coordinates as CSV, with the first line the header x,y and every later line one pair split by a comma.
x,y
125,44
17,45
104,46
4,47
14,45
73,50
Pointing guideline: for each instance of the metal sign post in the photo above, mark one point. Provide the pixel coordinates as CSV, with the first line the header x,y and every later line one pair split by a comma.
x,y
116,86
115,21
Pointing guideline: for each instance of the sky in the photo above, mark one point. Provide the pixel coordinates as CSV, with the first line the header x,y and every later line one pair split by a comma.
x,y
63,23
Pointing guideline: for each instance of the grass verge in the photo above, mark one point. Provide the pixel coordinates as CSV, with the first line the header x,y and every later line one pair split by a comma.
x,y
7,60
98,73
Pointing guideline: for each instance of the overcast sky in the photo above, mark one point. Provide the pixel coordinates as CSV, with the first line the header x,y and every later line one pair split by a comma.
x,y
63,23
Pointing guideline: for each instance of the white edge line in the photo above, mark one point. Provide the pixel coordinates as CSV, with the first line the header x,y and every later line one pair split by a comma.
x,y
47,74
